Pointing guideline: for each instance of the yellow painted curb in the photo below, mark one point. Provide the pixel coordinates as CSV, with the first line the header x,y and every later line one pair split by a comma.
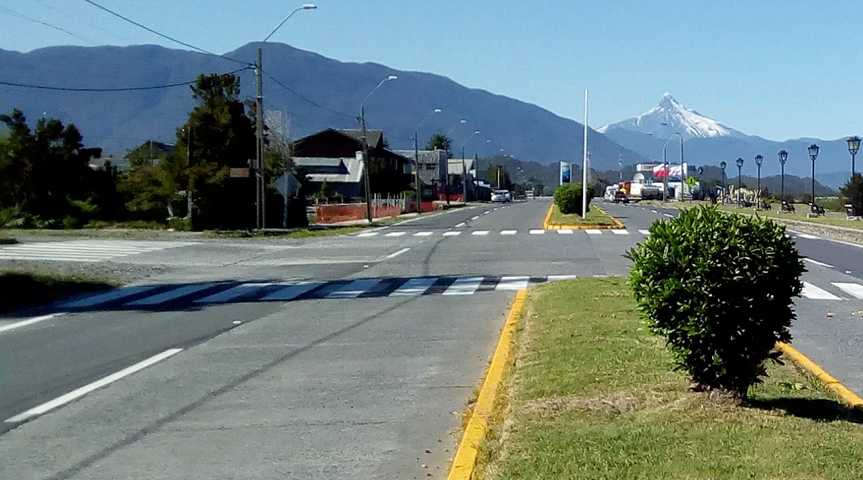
x,y
465,458
549,225
843,392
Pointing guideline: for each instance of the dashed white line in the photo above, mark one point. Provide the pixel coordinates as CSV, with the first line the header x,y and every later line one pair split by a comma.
x,y
30,321
620,232
368,234
565,231
396,254
668,215
423,234
395,234
474,218
480,233
460,225
816,262
537,232
80,392
644,232
451,234
593,232
508,232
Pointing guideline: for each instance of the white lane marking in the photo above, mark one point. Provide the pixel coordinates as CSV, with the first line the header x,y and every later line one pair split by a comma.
x,y
233,293
537,232
668,215
808,237
291,291
396,234
171,294
653,211
459,225
108,297
80,392
644,232
816,262
508,232
451,234
423,234
556,278
480,233
565,231
512,283
593,232
396,254
853,289
486,212
474,218
414,287
814,293
29,321
53,258
464,286
368,234
620,232
355,288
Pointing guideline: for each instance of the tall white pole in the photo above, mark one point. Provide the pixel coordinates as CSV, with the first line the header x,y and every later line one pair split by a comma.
x,y
584,162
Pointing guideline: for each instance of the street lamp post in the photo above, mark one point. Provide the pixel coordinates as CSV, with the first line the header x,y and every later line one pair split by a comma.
x,y
813,154
665,171
417,158
723,165
260,185
758,161
366,182
783,157
739,179
853,148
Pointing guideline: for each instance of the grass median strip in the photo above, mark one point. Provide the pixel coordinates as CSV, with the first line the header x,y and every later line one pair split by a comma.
x,y
595,218
592,395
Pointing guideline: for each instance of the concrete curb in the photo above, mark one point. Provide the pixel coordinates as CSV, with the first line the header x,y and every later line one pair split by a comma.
x,y
464,461
844,393
549,225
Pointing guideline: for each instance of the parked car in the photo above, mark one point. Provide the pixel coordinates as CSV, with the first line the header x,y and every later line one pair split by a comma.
x,y
500,196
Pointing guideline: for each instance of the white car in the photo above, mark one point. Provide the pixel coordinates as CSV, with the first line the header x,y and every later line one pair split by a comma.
x,y
500,196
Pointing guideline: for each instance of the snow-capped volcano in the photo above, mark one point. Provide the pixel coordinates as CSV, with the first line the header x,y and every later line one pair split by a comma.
x,y
671,116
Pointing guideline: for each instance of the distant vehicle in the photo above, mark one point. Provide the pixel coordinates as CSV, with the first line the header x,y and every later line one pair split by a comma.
x,y
610,192
501,196
620,197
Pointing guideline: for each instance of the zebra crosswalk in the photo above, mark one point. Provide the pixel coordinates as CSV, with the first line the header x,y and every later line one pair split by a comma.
x,y
215,293
84,250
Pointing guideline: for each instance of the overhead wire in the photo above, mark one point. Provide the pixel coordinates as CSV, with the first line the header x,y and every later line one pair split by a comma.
x,y
107,90
22,16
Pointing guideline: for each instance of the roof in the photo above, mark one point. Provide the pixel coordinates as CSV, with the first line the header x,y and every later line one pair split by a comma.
x,y
375,137
424,156
333,170
456,163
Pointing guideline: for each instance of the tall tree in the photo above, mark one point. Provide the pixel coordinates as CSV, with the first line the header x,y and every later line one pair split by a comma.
x,y
439,141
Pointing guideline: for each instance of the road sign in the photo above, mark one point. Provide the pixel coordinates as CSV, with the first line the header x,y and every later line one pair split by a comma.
x,y
239,173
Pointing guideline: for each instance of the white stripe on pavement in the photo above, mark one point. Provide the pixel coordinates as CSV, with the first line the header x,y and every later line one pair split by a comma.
x,y
853,289
464,286
620,232
816,262
355,288
423,234
644,232
290,291
508,232
171,294
118,294
512,283
668,215
565,231
414,287
459,225
537,232
368,234
395,234
814,293
808,237
396,254
30,321
593,232
80,392
451,234
480,233
555,278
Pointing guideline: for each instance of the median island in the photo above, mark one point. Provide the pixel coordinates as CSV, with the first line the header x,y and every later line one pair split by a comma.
x,y
566,211
593,394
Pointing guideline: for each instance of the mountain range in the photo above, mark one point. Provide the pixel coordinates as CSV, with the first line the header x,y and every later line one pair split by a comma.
x,y
315,92
709,142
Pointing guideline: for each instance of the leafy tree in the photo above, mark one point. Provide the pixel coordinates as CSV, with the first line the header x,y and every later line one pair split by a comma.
x,y
439,141
852,193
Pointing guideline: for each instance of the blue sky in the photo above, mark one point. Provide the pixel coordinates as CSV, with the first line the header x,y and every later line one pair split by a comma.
x,y
779,69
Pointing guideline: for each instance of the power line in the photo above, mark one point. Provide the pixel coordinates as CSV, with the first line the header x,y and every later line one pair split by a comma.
x,y
106,90
20,15
307,99
167,37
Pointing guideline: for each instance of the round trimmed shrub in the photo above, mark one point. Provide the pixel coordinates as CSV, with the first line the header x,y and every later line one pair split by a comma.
x,y
719,288
568,198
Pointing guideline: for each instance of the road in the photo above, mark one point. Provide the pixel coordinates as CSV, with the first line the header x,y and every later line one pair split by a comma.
x,y
335,357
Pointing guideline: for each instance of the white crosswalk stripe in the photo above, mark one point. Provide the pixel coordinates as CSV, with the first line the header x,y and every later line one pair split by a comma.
x,y
537,232
464,286
290,291
512,283
368,234
414,287
451,234
815,293
170,295
853,289
355,288
620,232
644,232
84,250
480,233
423,234
593,232
508,232
565,231
396,234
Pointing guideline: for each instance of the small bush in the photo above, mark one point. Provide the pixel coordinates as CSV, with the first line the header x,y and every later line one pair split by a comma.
x,y
179,224
852,193
568,198
719,288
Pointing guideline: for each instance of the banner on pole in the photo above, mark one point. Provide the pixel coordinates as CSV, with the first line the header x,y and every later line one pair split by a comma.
x,y
565,173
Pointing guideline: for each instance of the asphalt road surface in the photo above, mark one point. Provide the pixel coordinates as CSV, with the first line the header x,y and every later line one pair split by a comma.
x,y
339,357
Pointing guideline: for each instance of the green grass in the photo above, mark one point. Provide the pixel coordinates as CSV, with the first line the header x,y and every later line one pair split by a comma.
x,y
595,216
24,289
593,395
